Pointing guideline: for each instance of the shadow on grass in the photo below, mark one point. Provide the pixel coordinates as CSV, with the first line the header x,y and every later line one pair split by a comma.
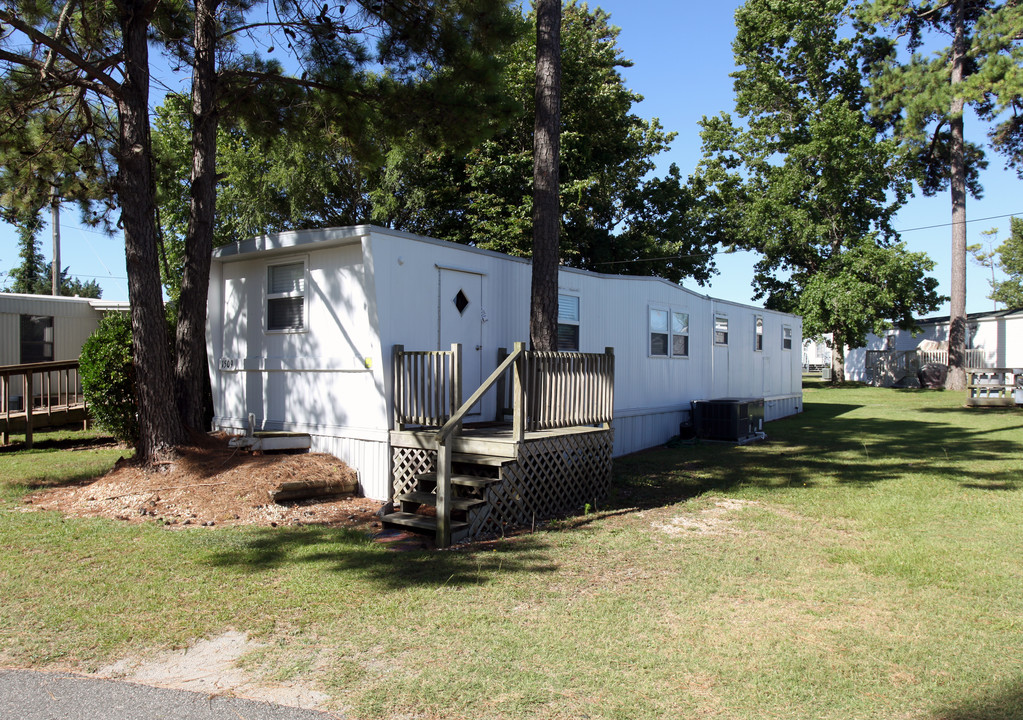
x,y
1006,704
62,443
354,554
829,443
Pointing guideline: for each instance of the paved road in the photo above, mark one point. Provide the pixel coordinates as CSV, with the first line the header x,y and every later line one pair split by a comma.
x,y
30,695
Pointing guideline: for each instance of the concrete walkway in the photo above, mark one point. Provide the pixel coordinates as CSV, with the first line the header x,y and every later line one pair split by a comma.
x,y
31,695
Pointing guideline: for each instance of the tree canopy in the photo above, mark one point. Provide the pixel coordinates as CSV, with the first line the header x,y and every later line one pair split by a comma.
x,y
614,217
1010,261
809,180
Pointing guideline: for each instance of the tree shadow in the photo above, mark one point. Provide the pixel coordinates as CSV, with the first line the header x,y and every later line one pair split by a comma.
x,y
69,443
823,443
1004,704
353,553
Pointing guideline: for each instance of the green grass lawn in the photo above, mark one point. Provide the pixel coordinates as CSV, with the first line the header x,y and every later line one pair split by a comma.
x,y
864,562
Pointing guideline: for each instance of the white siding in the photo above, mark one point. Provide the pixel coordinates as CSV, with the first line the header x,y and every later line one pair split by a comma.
x,y
370,289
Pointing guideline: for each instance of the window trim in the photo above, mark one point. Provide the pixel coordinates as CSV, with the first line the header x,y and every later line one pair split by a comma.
x,y
303,294
784,339
671,335
577,323
758,333
43,345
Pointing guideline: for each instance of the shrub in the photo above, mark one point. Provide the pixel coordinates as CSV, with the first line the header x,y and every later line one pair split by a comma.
x,y
108,377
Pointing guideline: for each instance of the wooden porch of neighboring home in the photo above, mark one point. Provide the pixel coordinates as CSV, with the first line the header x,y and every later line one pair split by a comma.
x,y
40,395
547,450
888,368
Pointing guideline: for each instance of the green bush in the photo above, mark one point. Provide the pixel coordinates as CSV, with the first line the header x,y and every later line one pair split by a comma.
x,y
108,377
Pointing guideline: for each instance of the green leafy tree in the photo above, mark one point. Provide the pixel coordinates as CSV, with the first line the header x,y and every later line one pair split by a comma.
x,y
927,95
108,377
614,217
30,276
809,180
986,255
1010,261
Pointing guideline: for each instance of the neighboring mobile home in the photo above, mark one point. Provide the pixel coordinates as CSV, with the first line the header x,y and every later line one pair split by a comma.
x,y
302,327
994,339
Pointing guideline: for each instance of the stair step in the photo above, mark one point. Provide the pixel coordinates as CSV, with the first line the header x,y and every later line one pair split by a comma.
x,y
420,522
429,498
473,459
473,481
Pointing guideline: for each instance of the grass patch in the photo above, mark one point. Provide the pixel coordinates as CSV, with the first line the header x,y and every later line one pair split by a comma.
x,y
863,562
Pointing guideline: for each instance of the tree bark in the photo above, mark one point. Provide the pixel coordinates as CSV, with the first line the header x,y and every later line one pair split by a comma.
x,y
190,346
159,426
956,379
837,357
543,315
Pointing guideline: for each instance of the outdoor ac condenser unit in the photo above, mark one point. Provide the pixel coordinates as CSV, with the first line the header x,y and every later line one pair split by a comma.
x,y
729,419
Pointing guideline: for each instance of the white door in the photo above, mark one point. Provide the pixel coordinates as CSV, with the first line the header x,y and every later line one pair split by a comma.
x,y
461,321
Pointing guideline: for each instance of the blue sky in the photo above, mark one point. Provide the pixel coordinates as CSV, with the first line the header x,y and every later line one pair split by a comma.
x,y
683,57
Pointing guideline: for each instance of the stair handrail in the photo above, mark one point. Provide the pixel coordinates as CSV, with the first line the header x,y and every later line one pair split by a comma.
x,y
454,423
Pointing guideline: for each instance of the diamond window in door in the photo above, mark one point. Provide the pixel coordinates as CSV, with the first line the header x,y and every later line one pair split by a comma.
x,y
461,302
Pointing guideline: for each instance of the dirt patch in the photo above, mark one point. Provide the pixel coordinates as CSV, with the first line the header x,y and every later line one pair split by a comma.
x,y
210,666
211,484
715,520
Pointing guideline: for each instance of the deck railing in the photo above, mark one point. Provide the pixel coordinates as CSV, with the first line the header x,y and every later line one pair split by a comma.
x,y
427,386
885,367
45,389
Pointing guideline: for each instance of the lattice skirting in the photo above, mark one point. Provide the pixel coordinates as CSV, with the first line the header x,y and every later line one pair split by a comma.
x,y
552,476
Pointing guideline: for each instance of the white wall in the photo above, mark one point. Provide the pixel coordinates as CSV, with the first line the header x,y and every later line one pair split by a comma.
x,y
369,289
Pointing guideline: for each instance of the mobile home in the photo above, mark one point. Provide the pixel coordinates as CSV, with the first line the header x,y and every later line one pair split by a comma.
x,y
303,328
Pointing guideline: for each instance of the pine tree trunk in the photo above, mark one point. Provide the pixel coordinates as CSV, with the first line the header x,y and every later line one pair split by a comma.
x,y
190,346
543,316
956,379
159,426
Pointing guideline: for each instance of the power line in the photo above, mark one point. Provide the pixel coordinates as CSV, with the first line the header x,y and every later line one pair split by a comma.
x,y
964,222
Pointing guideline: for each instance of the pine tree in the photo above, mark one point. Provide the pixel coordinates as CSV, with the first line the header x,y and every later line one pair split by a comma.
x,y
927,97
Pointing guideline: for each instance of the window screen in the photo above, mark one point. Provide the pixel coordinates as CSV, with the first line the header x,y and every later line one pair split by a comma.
x,y
285,303
36,338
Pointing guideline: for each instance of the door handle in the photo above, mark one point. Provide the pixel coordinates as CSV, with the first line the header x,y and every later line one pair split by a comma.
x,y
478,347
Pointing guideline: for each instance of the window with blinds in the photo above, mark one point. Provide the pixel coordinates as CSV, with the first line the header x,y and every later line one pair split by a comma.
x,y
285,297
568,323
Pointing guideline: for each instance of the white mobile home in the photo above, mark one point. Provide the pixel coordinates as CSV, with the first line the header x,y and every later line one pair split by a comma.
x,y
993,340
302,327
41,328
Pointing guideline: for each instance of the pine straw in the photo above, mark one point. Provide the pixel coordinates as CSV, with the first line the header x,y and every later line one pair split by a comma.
x,y
211,484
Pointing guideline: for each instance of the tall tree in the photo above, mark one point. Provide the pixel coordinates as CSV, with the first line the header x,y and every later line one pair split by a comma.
x,y
928,94
436,58
30,276
616,217
543,311
94,58
809,180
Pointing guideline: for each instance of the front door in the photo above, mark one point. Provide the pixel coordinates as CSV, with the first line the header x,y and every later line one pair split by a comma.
x,y
461,321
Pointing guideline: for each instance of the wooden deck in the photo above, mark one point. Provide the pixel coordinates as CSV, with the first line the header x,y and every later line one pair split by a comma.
x,y
48,395
462,480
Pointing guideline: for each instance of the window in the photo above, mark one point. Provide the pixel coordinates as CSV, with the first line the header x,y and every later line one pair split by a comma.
x,y
36,338
758,337
568,322
285,297
679,334
720,330
669,340
658,332
786,337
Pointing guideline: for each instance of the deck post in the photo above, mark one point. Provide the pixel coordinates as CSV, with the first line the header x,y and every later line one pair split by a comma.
x,y
397,384
502,387
27,402
608,395
519,395
443,494
456,385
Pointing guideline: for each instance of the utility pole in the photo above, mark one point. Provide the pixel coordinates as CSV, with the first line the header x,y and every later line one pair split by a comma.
x,y
55,223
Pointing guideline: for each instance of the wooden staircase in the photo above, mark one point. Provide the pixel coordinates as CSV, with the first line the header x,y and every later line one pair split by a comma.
x,y
471,476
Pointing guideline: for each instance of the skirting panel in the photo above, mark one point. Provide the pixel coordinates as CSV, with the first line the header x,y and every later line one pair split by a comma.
x,y
551,476
639,432
777,408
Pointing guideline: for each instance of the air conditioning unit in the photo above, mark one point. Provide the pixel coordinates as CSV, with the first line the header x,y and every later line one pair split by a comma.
x,y
729,419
